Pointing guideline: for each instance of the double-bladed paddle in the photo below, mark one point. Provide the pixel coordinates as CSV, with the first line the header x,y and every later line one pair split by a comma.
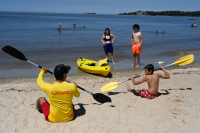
x,y
99,97
180,62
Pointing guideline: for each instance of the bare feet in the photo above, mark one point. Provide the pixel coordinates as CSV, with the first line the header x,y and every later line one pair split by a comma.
x,y
131,90
137,66
128,87
133,65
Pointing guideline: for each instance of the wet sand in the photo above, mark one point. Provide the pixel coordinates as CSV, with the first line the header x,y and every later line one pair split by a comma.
x,y
120,65
175,110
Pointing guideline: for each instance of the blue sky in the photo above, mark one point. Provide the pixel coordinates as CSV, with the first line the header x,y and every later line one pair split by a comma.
x,y
98,6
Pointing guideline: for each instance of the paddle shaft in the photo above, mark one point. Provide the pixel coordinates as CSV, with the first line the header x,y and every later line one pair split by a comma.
x,y
144,73
65,79
19,55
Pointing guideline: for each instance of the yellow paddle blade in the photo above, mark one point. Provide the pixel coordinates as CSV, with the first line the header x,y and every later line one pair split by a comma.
x,y
110,86
184,60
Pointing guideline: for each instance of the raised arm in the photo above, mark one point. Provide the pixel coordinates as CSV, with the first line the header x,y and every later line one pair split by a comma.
x,y
138,82
40,80
113,38
166,76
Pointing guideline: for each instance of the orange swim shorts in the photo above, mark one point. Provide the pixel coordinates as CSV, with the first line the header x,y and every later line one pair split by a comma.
x,y
135,48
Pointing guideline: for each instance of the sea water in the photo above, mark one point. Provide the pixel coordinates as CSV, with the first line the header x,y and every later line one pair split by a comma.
x,y
37,37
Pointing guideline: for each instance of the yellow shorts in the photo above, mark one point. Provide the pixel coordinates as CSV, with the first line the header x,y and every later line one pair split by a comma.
x,y
135,48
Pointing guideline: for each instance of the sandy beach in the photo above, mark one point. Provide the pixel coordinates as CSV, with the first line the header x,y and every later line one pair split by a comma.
x,y
177,109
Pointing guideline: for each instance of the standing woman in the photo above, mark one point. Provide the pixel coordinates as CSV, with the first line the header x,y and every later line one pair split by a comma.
x,y
108,43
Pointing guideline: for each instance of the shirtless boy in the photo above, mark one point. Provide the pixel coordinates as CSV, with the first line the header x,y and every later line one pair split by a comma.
x,y
136,42
152,80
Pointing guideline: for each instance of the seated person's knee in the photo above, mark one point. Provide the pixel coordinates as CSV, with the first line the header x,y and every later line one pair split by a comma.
x,y
42,99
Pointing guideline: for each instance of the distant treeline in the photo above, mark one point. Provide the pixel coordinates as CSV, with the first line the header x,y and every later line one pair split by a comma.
x,y
129,13
164,13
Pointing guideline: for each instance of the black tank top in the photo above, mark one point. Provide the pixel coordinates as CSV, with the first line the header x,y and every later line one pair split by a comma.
x,y
107,39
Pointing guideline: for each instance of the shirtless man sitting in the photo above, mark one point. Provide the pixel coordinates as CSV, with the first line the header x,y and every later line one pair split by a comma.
x,y
152,80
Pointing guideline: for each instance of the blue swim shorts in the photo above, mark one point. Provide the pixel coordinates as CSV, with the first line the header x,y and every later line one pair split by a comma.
x,y
108,48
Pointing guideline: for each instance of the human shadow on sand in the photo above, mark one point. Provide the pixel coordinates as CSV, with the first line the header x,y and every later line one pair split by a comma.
x,y
167,91
81,111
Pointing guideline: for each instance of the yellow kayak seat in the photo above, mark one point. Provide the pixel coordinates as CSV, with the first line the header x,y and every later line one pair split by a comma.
x,y
103,62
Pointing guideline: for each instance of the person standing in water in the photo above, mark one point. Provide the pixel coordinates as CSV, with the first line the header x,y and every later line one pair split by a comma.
x,y
59,26
108,43
136,44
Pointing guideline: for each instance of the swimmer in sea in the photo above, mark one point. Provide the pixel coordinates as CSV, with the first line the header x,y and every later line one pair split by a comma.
x,y
59,26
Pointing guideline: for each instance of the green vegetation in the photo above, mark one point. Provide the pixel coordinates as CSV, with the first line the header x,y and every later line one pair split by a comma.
x,y
130,13
164,13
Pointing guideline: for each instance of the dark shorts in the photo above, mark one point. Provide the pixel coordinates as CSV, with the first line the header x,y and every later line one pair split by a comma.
x,y
46,110
108,48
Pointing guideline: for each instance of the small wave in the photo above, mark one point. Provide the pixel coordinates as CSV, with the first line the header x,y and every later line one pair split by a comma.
x,y
179,52
188,52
